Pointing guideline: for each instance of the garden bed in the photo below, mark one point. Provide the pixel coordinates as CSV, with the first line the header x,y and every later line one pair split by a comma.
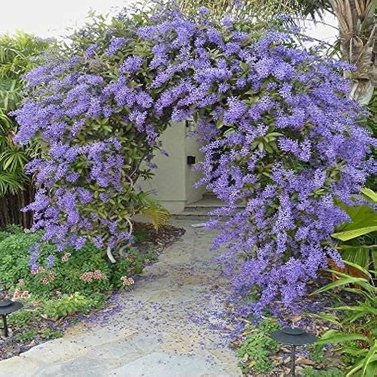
x,y
50,315
262,356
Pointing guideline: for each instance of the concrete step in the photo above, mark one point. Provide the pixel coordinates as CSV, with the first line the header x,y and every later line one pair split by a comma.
x,y
195,213
209,195
207,203
200,209
191,216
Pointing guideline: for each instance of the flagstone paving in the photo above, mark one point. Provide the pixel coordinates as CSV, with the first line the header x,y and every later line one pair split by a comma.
x,y
170,325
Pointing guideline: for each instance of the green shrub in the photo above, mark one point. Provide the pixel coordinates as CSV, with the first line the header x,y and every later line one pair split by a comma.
x,y
4,235
9,230
332,372
67,305
22,318
86,271
355,334
14,257
14,229
27,335
131,264
258,346
78,282
71,273
140,235
51,334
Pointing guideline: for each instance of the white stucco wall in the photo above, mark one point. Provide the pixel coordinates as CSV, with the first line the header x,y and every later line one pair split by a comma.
x,y
173,180
192,176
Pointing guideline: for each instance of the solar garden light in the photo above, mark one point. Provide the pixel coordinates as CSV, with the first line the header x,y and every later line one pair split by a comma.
x,y
293,336
7,307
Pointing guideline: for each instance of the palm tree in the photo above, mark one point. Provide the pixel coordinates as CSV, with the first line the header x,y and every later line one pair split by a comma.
x,y
267,7
357,29
358,41
17,56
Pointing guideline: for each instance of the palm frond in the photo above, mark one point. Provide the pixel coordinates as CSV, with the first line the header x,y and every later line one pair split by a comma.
x,y
13,159
18,55
10,183
9,94
311,8
149,207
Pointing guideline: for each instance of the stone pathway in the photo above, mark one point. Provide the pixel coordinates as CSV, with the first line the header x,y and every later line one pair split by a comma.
x,y
169,325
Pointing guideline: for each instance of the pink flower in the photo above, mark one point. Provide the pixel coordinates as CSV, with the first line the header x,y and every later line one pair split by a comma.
x,y
45,280
18,293
87,277
127,281
49,278
65,257
37,270
93,275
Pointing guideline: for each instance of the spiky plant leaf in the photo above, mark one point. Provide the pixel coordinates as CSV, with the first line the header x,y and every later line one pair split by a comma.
x,y
149,207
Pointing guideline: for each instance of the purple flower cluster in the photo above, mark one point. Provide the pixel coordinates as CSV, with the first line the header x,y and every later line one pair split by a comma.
x,y
281,139
34,257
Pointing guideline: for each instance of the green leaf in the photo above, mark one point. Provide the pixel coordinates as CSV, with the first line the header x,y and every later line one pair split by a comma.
x,y
369,194
245,67
371,356
356,254
10,183
368,364
350,234
374,259
353,351
371,368
334,336
327,317
364,309
339,283
358,267
360,216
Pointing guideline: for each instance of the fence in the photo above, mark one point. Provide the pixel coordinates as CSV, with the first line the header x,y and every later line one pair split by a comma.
x,y
11,205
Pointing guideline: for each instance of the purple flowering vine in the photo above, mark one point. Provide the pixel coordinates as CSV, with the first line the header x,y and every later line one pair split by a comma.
x,y
282,143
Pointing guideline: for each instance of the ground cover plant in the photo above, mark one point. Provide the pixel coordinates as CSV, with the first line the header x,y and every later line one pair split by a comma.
x,y
87,271
258,347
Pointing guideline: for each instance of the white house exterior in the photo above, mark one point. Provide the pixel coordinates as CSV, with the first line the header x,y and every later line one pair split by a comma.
x,y
174,178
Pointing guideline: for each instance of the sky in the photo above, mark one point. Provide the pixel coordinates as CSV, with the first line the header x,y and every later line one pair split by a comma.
x,y
49,18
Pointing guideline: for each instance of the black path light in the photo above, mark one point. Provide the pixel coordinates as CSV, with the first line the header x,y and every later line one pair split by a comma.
x,y
7,307
293,336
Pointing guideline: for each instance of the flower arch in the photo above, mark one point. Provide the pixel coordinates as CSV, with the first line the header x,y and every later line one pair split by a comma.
x,y
276,117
